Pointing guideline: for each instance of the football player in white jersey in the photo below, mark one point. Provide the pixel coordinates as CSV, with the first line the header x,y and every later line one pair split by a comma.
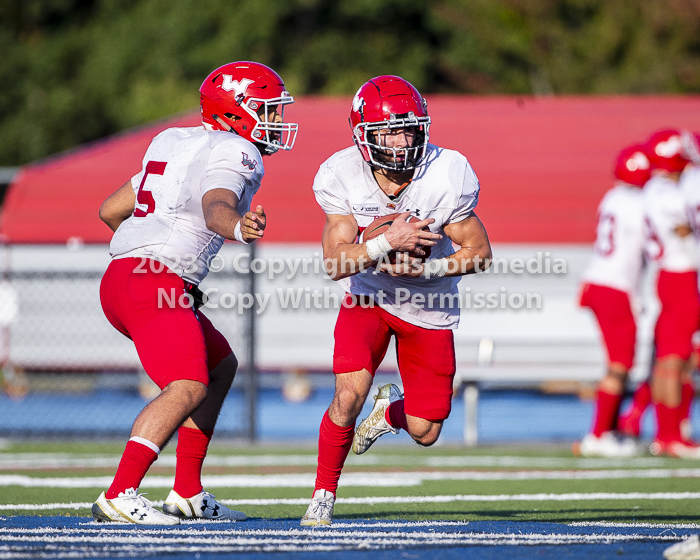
x,y
169,221
393,169
629,422
671,245
690,186
610,282
689,549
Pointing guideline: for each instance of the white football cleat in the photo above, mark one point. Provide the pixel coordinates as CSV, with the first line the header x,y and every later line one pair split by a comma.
x,y
686,429
609,444
201,506
129,507
375,425
678,449
689,549
320,510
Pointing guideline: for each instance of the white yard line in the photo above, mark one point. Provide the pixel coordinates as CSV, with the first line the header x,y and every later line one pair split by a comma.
x,y
235,539
579,496
372,479
541,462
635,525
31,461
377,500
559,475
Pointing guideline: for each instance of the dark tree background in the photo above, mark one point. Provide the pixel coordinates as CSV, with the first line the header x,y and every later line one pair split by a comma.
x,y
76,70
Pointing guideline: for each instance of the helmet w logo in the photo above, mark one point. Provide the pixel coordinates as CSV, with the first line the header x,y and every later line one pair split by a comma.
x,y
670,147
358,102
238,87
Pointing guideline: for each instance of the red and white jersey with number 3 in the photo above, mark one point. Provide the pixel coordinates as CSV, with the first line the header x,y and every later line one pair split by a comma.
x,y
618,256
180,166
665,209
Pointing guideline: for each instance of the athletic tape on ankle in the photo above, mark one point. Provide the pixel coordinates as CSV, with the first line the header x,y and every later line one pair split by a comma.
x,y
149,444
378,247
237,233
436,268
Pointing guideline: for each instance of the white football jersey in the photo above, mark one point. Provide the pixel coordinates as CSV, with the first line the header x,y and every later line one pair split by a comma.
x,y
179,167
618,254
690,186
444,187
665,209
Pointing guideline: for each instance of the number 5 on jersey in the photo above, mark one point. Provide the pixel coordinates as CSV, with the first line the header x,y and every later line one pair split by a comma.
x,y
144,197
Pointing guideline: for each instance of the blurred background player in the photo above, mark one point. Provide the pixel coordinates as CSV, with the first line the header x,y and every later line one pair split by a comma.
x,y
610,284
630,422
690,186
689,549
393,169
670,244
194,191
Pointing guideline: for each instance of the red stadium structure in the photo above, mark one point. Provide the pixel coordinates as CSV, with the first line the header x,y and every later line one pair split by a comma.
x,y
544,163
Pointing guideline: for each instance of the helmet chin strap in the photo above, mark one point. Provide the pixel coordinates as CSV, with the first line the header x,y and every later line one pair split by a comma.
x,y
264,149
224,125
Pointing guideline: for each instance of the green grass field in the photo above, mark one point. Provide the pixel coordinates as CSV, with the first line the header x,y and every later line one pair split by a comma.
x,y
529,483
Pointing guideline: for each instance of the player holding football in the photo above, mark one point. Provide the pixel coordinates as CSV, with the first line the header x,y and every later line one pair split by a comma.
x,y
170,220
670,243
609,283
392,169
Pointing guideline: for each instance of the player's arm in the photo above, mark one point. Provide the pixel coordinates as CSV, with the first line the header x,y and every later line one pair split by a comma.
x,y
343,257
676,207
474,253
118,206
683,230
221,216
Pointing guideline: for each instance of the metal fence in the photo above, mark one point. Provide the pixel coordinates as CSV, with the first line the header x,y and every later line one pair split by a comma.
x,y
66,372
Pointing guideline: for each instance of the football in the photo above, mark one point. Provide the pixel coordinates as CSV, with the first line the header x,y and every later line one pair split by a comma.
x,y
383,223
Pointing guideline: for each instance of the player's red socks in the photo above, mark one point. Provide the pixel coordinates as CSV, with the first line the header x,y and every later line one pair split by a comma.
x,y
629,423
396,416
668,422
607,410
687,394
192,447
642,397
137,458
334,444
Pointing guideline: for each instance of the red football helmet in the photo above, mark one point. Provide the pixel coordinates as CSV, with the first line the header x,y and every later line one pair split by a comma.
x,y
389,102
665,151
632,166
240,97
